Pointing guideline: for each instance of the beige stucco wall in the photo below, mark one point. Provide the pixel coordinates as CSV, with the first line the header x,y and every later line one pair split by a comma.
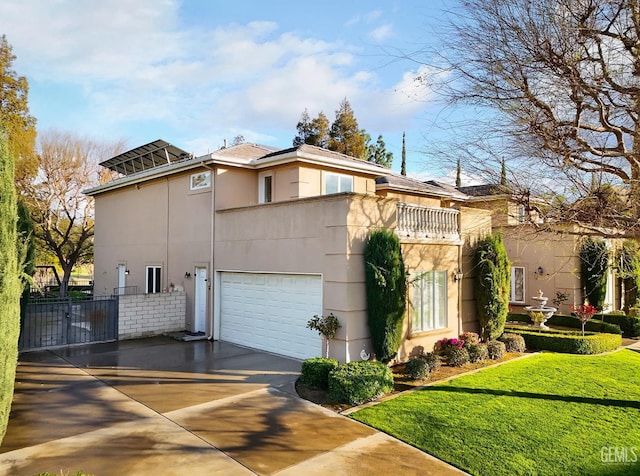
x,y
321,235
159,223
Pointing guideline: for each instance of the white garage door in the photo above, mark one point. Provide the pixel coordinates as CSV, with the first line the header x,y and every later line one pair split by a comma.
x,y
270,312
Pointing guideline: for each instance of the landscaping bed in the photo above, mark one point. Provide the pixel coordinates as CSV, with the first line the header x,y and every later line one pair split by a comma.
x,y
401,381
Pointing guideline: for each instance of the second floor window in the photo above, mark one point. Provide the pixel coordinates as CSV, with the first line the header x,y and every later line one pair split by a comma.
x,y
265,188
337,183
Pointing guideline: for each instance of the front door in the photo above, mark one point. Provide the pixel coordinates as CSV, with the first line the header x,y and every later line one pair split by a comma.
x,y
122,278
200,304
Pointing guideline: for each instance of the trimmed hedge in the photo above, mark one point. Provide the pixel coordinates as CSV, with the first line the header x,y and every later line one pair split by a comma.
x,y
630,325
315,372
513,342
359,382
568,342
562,320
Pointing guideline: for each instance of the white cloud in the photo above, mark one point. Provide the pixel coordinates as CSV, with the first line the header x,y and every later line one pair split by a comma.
x,y
137,61
381,33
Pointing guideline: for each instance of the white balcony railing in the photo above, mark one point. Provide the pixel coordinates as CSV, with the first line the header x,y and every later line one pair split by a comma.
x,y
427,223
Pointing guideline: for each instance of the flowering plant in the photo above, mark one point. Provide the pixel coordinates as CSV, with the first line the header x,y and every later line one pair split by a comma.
x,y
584,312
469,338
443,345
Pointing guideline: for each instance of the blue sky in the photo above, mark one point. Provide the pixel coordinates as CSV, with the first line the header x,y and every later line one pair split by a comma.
x,y
196,72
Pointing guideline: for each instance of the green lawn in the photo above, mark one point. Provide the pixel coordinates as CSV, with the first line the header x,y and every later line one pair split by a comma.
x,y
549,414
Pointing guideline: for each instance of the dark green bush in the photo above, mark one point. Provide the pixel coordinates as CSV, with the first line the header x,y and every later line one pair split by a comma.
x,y
386,288
594,265
359,382
477,352
417,369
492,285
629,326
457,356
496,349
513,342
433,360
315,372
569,342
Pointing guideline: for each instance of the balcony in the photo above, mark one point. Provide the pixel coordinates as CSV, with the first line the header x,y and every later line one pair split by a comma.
x,y
427,223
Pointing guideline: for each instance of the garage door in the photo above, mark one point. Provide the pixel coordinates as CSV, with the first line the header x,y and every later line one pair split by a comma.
x,y
270,312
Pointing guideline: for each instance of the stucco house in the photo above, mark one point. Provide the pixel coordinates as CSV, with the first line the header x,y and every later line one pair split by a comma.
x,y
542,257
261,240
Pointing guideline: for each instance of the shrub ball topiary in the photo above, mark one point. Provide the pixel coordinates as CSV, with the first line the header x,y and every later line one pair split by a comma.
x,y
477,352
315,372
513,342
417,369
496,349
359,382
457,357
433,360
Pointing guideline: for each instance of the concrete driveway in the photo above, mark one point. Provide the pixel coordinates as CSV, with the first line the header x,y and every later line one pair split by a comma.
x,y
163,407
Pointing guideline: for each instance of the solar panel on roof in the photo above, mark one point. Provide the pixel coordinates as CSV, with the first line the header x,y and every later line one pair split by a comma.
x,y
145,157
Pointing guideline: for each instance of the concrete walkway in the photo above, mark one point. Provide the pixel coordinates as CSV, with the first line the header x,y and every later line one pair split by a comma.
x,y
163,407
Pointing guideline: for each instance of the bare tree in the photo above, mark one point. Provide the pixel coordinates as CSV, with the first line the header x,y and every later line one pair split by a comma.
x,y
558,83
63,216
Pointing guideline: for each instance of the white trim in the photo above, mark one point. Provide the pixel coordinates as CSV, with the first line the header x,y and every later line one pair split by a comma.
x,y
261,187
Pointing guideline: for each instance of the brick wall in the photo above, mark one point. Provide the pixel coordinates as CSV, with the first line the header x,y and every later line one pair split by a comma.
x,y
144,315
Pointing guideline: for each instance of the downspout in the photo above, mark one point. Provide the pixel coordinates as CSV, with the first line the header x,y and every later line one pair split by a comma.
x,y
460,281
211,289
166,249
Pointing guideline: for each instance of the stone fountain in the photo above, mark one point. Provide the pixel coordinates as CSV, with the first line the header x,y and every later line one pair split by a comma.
x,y
540,312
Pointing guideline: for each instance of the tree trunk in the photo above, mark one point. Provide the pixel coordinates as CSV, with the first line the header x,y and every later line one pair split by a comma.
x,y
64,284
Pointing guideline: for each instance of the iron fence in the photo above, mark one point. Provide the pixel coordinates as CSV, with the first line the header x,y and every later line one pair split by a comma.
x,y
59,322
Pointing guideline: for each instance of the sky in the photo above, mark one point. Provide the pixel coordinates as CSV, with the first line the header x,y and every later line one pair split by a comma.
x,y
195,73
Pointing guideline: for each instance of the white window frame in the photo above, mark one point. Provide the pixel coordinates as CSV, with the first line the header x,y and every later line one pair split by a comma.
x,y
513,293
200,180
156,279
262,190
429,301
345,183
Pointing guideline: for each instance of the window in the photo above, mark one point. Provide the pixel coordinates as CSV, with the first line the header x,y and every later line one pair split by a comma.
x,y
429,301
154,279
522,214
517,284
200,180
265,187
337,183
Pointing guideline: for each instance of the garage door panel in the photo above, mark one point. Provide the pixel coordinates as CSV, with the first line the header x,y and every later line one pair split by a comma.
x,y
270,312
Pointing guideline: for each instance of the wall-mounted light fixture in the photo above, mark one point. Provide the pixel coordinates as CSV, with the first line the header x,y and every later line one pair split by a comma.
x,y
187,275
126,272
457,276
540,270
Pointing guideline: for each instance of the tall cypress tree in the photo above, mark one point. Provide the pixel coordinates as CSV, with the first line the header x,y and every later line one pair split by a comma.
x,y
10,286
403,165
386,285
493,281
594,265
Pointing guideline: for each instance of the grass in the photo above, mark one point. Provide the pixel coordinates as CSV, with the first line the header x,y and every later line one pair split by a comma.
x,y
546,414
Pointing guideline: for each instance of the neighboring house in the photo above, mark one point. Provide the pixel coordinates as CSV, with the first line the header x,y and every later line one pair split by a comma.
x,y
263,240
541,258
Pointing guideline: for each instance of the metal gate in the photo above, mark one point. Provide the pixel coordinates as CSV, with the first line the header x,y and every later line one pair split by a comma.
x,y
59,322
